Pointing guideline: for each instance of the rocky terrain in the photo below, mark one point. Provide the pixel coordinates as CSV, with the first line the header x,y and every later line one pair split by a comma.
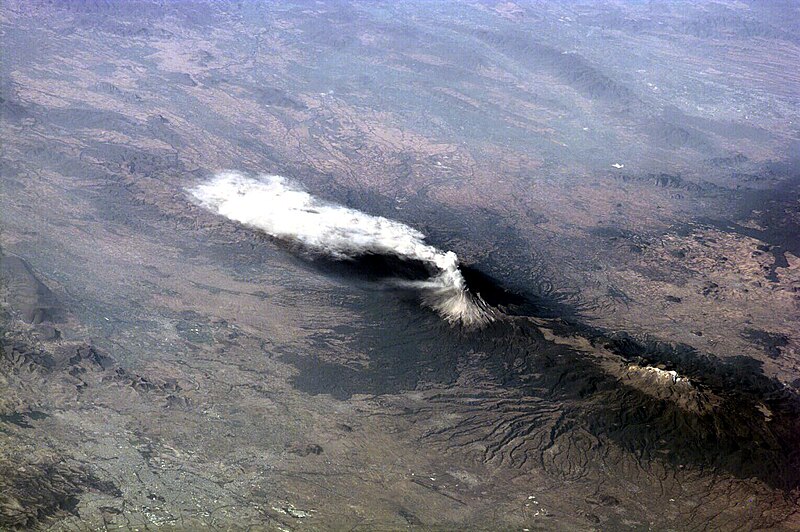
x,y
621,179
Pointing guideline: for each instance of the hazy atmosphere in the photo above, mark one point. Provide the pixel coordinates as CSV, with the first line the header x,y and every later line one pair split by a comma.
x,y
419,265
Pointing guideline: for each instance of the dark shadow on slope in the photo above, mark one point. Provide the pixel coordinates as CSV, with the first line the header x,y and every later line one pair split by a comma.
x,y
750,427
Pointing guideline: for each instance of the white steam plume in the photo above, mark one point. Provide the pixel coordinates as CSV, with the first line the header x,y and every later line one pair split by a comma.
x,y
285,211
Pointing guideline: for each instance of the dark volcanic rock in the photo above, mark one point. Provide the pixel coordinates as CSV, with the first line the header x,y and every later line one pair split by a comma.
x,y
770,342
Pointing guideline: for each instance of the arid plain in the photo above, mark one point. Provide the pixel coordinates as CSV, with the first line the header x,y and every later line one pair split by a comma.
x,y
620,180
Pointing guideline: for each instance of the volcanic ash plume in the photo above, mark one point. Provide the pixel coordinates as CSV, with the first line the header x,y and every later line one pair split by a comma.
x,y
283,210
